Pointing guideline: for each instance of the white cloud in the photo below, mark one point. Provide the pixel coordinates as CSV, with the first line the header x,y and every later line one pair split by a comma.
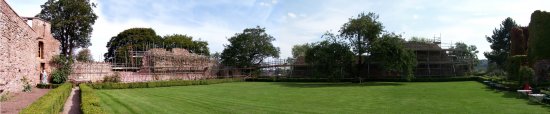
x,y
291,15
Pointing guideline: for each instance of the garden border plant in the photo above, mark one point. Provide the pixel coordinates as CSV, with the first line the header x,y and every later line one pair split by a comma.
x,y
110,85
90,101
52,102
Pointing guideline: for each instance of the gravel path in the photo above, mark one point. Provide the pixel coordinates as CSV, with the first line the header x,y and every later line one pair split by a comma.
x,y
21,100
72,105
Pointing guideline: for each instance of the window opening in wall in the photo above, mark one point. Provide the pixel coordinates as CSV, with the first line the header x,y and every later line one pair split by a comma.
x,y
41,50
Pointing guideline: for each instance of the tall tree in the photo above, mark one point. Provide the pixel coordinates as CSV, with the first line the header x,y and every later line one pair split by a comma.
x,y
465,52
249,48
186,42
134,39
84,55
300,49
330,58
360,31
71,22
500,43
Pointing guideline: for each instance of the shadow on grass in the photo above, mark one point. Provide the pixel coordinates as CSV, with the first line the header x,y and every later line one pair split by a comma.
x,y
335,84
515,95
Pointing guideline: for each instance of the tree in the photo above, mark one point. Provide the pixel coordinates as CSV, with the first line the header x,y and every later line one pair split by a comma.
x,y
500,43
361,31
84,55
330,58
186,42
134,39
300,50
467,53
249,48
71,22
390,51
420,40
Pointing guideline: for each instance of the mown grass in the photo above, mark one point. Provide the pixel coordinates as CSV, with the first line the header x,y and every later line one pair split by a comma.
x,y
293,97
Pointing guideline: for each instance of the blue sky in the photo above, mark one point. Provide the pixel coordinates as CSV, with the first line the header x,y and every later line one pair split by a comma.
x,y
300,21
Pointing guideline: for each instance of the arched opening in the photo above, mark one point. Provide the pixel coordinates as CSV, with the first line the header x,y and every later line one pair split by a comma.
x,y
41,50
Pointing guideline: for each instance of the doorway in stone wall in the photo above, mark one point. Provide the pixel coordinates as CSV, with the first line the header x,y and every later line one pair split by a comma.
x,y
42,68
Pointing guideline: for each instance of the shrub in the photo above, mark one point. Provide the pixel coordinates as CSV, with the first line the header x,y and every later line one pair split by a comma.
x,y
51,103
114,78
26,85
90,101
526,74
111,85
48,86
63,70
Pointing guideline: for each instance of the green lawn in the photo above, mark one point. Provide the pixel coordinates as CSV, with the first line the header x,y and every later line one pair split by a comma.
x,y
278,97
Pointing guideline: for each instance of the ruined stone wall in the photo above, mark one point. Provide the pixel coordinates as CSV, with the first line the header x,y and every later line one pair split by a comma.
x,y
92,71
18,58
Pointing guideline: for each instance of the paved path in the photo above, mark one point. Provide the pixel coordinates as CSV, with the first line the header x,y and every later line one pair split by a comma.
x,y
21,100
72,105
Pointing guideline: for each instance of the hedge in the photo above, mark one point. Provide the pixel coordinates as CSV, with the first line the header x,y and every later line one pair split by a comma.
x,y
275,79
48,86
538,35
110,85
51,103
90,101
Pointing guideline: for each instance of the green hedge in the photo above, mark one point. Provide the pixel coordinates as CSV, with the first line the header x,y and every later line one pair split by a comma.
x,y
275,79
90,101
110,85
48,86
51,103
539,35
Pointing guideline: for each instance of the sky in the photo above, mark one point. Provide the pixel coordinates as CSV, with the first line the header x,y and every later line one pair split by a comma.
x,y
294,22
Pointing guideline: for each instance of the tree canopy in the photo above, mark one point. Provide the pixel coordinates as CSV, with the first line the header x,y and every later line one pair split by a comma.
x,y
186,42
360,31
84,55
300,49
330,58
71,22
390,51
249,48
500,43
134,39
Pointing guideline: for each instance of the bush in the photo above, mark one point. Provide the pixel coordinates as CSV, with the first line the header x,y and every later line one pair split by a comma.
x,y
51,103
114,78
110,85
63,70
90,101
48,86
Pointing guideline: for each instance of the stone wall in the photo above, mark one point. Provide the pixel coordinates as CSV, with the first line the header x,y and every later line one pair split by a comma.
x,y
19,50
158,64
92,71
17,57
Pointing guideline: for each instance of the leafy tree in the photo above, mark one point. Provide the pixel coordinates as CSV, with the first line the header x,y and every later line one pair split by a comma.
x,y
249,48
186,42
300,50
420,40
330,58
84,55
71,22
390,51
134,39
361,31
500,43
465,52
